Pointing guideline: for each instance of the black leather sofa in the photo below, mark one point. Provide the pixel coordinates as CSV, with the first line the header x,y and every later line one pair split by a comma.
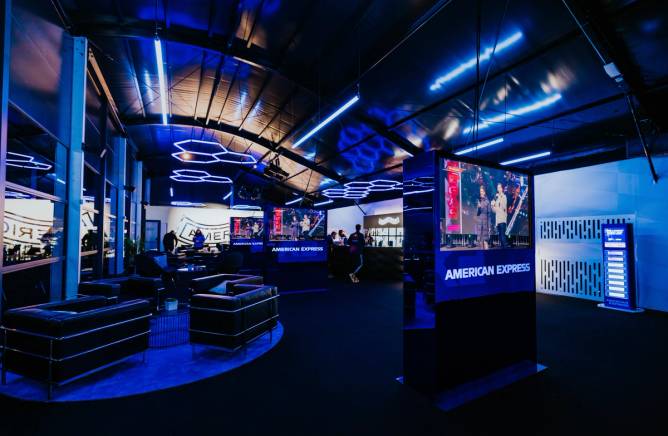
x,y
230,282
62,341
232,321
127,288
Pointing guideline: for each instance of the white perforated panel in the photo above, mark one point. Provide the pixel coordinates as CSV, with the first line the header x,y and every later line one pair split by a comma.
x,y
568,255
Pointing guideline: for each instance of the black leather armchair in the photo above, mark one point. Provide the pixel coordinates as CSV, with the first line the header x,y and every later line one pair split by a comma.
x,y
232,321
202,285
62,341
127,288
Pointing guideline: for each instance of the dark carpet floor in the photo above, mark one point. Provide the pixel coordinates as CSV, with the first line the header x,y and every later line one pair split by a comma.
x,y
333,374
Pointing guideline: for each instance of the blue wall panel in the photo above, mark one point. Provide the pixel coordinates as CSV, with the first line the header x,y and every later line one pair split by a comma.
x,y
617,188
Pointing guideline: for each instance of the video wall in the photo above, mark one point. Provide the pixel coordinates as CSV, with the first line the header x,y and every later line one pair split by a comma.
x,y
246,228
297,224
483,208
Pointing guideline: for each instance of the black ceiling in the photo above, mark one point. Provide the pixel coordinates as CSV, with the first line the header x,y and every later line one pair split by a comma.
x,y
255,75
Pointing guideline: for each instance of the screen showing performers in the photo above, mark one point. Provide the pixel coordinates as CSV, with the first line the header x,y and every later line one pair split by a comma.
x,y
483,208
297,225
247,228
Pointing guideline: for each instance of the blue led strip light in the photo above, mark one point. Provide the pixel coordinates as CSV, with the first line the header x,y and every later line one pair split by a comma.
x,y
326,121
161,79
526,158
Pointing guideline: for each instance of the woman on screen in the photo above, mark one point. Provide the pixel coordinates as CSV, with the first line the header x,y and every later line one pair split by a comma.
x,y
483,219
294,228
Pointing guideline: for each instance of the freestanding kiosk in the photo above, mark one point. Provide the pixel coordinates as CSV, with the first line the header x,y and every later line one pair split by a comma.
x,y
619,281
296,250
469,289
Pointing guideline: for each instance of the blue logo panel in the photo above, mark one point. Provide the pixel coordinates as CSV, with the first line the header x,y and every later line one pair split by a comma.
x,y
298,251
465,274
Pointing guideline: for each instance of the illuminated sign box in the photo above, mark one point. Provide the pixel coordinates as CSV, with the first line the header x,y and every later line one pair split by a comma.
x,y
618,267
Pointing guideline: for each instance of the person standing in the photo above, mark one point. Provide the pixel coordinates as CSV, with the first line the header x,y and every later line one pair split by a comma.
x,y
356,243
294,228
198,240
343,239
482,224
306,226
500,208
169,241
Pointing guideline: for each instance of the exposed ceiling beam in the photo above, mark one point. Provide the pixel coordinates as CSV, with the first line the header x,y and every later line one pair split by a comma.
x,y
135,79
390,135
216,85
200,38
233,130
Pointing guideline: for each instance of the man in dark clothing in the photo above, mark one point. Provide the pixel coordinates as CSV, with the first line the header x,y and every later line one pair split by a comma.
x,y
169,241
356,244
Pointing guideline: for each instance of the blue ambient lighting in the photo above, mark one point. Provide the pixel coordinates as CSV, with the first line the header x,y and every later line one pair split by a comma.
x,y
322,203
296,200
471,63
525,158
326,121
246,207
197,176
227,195
479,146
540,104
187,204
223,156
24,161
161,79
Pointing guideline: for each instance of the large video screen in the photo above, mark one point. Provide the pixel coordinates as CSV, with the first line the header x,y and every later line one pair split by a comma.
x,y
246,228
483,208
297,225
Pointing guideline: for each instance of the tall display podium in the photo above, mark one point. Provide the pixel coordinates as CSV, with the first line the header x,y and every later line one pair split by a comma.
x,y
296,250
619,279
469,289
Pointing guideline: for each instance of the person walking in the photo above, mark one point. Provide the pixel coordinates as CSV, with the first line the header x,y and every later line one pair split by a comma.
x,y
170,241
356,243
500,208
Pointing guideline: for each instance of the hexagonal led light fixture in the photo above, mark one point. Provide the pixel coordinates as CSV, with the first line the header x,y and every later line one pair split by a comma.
x,y
197,176
218,153
357,190
24,161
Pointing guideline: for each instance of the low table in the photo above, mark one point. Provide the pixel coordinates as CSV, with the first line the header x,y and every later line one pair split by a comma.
x,y
170,327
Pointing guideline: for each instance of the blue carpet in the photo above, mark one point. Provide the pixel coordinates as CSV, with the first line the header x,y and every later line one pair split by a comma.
x,y
164,368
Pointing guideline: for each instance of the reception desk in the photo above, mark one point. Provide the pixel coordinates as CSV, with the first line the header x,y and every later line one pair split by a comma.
x,y
380,263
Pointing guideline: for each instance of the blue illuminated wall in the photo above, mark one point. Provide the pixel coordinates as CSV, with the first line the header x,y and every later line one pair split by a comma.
x,y
617,188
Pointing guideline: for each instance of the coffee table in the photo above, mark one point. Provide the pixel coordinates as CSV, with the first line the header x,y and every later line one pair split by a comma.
x,y
170,327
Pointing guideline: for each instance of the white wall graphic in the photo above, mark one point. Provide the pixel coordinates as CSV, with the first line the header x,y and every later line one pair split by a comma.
x,y
214,222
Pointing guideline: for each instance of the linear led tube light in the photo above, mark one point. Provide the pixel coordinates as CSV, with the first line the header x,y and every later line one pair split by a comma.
x,y
422,191
296,200
171,191
326,121
246,207
322,203
227,195
479,146
161,79
471,63
540,104
526,158
187,203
